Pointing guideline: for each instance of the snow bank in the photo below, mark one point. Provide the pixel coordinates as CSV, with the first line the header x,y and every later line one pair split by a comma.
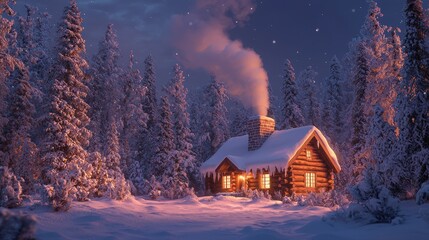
x,y
221,217
276,152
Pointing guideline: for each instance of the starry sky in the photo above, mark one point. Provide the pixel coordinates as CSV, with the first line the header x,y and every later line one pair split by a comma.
x,y
308,32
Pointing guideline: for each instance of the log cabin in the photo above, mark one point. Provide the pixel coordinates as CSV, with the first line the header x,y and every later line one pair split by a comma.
x,y
293,161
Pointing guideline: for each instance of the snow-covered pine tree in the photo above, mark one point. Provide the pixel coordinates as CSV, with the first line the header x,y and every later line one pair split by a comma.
x,y
32,43
371,198
332,115
67,135
146,148
359,121
21,152
381,141
10,189
7,63
165,147
375,41
133,118
272,109
412,102
394,77
117,187
237,117
150,101
216,122
133,125
291,111
308,98
183,136
104,94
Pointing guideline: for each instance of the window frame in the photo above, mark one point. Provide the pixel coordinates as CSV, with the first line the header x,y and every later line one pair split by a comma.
x,y
265,181
310,180
226,182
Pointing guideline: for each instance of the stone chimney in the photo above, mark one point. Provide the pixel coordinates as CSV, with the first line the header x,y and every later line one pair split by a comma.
x,y
259,128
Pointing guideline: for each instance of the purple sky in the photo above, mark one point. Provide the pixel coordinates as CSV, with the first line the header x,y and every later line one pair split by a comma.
x,y
309,32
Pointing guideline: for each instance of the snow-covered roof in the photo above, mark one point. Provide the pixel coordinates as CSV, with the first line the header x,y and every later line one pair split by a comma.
x,y
276,152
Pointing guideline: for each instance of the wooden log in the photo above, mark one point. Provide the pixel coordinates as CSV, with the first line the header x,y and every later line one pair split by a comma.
x,y
322,185
321,180
302,172
298,184
322,174
298,178
309,163
308,168
302,189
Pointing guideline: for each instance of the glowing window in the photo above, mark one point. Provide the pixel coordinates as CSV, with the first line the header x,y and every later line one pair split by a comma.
x,y
226,182
265,181
310,180
308,153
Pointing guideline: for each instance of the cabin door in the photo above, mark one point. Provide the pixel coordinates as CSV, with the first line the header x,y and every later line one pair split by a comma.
x,y
241,183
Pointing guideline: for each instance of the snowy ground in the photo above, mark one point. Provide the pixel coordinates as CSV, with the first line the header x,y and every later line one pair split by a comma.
x,y
215,218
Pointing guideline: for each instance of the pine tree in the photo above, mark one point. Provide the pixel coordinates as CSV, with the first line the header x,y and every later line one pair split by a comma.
x,y
272,109
117,187
7,63
165,141
215,96
132,116
308,98
149,82
381,139
394,78
177,94
291,111
67,135
377,54
146,148
359,119
104,99
333,112
212,120
412,103
21,151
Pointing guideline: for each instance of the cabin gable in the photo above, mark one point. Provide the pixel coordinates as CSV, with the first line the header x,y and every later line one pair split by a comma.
x,y
310,170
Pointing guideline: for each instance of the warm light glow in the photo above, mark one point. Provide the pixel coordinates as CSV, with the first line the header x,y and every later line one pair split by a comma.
x,y
308,153
226,182
241,177
310,180
265,181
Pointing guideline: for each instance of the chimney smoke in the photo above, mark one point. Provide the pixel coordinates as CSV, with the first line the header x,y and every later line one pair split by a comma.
x,y
200,36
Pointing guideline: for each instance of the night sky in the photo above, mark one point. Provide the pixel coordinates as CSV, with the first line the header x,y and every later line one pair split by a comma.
x,y
309,32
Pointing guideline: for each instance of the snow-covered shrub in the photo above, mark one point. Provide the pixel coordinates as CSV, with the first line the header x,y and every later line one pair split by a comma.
x,y
173,188
372,201
136,176
324,199
256,194
287,200
60,198
10,189
16,226
153,188
117,186
278,196
422,195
